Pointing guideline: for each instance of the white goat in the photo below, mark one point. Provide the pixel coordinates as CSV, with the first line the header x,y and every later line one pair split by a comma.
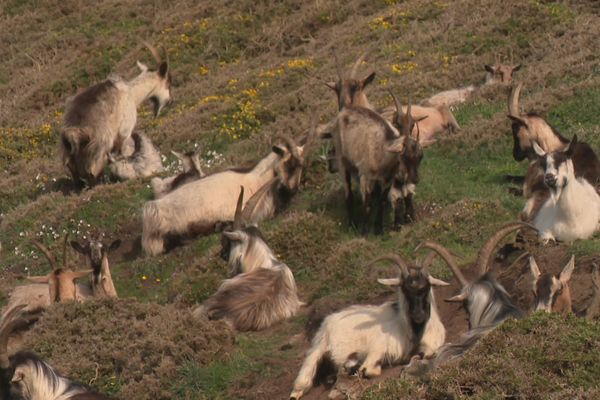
x,y
99,119
190,161
196,207
573,209
144,162
373,335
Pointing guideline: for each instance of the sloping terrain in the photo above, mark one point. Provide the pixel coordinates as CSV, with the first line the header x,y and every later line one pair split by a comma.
x,y
246,70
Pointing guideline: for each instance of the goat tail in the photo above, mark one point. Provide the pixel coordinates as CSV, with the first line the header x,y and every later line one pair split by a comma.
x,y
152,240
306,376
451,123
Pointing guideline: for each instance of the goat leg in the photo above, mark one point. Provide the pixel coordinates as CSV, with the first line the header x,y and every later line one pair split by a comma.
x,y
409,209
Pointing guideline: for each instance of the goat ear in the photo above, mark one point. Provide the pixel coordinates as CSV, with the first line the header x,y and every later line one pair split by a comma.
x,y
521,121
78,274
39,279
457,299
517,67
571,149
489,68
437,282
18,375
367,80
565,274
143,67
534,269
78,248
163,69
397,146
234,235
389,282
114,245
538,150
280,151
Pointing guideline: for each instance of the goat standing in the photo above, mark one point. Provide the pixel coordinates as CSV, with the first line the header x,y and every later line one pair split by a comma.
x,y
373,335
99,119
263,290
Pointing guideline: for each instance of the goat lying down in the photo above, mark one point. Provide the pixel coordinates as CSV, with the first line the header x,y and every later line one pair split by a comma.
x,y
373,335
552,293
59,285
26,376
192,171
144,162
263,290
486,301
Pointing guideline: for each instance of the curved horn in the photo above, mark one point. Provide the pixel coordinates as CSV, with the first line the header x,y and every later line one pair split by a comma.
x,y
291,145
10,322
237,219
400,262
399,113
446,256
153,51
46,253
357,64
513,100
485,254
256,198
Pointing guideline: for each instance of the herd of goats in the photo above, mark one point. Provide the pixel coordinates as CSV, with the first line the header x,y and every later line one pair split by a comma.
x,y
381,150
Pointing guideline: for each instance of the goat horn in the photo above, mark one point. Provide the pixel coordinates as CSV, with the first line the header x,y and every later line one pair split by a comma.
x,y
428,260
253,201
485,254
10,322
46,253
291,145
153,51
77,274
447,257
397,259
513,100
357,64
237,219
399,114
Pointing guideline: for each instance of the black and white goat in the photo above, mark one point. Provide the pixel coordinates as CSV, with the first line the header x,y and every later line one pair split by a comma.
x,y
262,291
145,160
374,335
190,162
25,376
197,207
572,211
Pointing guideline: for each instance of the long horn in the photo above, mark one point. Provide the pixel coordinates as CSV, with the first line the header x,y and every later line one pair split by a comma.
x,y
485,254
10,322
65,250
291,145
46,253
399,114
513,100
357,64
428,260
397,259
237,219
153,51
447,257
256,198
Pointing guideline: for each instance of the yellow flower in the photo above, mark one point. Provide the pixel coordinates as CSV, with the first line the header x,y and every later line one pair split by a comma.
x,y
202,70
144,277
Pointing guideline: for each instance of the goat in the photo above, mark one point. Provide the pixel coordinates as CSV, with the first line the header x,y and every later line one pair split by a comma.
x,y
198,206
572,211
263,290
373,335
99,119
498,73
552,293
192,171
144,162
486,301
97,254
26,376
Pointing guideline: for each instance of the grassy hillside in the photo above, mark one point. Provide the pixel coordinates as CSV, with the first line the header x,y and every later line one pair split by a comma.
x,y
246,70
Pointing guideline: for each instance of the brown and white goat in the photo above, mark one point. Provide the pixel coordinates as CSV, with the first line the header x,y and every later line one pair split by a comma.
x,y
552,293
498,73
144,162
262,290
25,376
190,162
99,119
371,336
197,207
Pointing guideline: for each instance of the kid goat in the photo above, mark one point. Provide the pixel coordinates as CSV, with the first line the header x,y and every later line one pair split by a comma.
x,y
373,335
99,119
144,162
263,290
192,171
198,206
